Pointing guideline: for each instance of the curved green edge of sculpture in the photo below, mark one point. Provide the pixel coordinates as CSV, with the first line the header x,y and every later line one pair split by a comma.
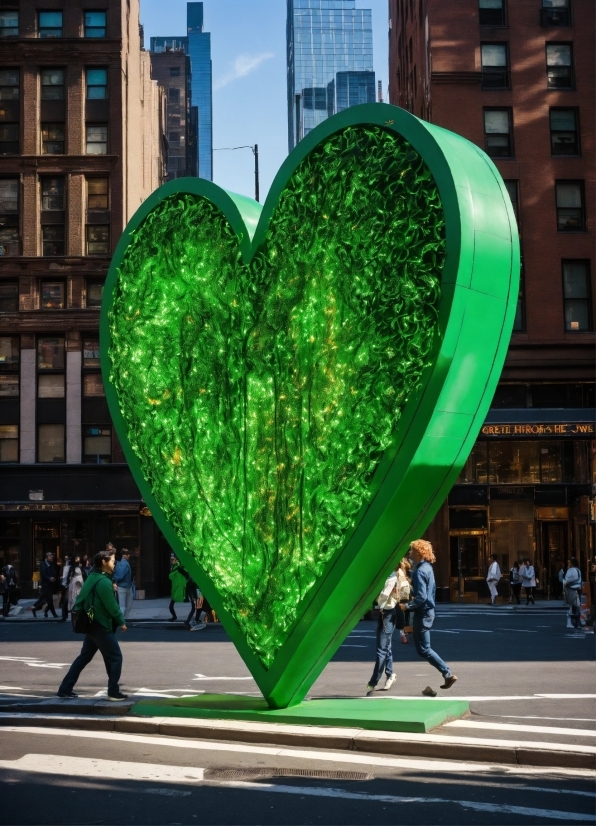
x,y
440,420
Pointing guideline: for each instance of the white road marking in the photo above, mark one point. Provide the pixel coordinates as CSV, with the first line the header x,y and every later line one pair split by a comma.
x,y
443,631
469,630
14,688
534,717
568,696
205,677
555,731
333,756
349,645
498,697
48,665
22,659
363,636
34,662
51,764
517,630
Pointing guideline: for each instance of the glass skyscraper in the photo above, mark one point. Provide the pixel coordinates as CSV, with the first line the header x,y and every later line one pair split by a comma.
x,y
197,45
330,61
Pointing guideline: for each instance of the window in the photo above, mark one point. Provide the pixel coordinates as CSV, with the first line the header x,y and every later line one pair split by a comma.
x,y
174,138
9,138
9,84
497,133
94,293
52,295
9,196
570,206
9,23
576,296
50,353
49,23
491,12
97,193
52,139
476,467
93,385
50,443
512,190
174,71
559,66
9,352
97,139
9,443
50,386
555,13
98,240
97,84
91,352
173,95
52,194
495,66
97,445
519,322
52,239
564,132
95,24
9,297
9,385
514,463
52,84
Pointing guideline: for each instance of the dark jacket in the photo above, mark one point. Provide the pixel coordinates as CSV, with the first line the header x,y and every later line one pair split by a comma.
x,y
11,576
106,611
48,570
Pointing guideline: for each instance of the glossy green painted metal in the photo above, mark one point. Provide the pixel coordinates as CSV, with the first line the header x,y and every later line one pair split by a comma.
x,y
413,715
479,288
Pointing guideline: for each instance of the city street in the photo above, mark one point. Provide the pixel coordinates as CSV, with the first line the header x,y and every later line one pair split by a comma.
x,y
504,661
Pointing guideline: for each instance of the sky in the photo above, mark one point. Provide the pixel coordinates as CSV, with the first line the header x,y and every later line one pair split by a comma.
x,y
248,50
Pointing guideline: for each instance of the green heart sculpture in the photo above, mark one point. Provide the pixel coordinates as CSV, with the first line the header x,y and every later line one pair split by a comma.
x,y
297,389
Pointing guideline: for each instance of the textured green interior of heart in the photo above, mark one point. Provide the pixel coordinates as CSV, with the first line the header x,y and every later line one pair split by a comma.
x,y
260,398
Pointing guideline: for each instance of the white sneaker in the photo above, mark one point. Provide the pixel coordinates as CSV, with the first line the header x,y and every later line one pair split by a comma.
x,y
389,682
199,626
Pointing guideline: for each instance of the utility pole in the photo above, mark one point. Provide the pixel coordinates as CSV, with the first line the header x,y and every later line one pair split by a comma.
x,y
255,152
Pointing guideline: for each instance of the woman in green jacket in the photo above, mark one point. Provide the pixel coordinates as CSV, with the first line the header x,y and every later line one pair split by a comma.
x,y
179,579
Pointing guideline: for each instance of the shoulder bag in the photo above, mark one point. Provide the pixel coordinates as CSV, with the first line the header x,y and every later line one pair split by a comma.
x,y
82,620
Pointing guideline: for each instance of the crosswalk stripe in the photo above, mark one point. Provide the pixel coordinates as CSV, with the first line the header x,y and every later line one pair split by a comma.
x,y
555,731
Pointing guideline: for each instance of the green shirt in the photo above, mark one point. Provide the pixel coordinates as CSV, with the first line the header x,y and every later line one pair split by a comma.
x,y
106,611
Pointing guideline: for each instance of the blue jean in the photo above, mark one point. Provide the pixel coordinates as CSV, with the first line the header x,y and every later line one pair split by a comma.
x,y
384,661
96,640
421,633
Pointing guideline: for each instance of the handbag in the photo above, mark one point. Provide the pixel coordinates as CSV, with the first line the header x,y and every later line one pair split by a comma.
x,y
82,620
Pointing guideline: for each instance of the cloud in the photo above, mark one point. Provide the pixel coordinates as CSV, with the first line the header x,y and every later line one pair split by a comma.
x,y
242,66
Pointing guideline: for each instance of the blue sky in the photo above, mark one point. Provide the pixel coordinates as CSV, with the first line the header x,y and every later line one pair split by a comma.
x,y
248,42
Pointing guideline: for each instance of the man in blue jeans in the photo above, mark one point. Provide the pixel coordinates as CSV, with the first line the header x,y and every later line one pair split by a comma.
x,y
423,606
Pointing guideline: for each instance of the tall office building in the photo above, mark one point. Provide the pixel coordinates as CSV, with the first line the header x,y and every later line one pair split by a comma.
x,y
197,45
517,79
330,61
171,69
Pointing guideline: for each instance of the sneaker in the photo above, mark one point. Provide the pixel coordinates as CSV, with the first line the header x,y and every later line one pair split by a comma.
x,y
389,682
115,698
429,692
198,626
70,695
449,681
370,689
34,612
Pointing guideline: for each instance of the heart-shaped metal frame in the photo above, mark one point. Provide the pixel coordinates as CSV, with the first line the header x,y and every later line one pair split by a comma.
x,y
479,292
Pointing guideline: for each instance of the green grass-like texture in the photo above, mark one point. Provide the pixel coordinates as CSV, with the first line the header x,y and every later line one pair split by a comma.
x,y
260,398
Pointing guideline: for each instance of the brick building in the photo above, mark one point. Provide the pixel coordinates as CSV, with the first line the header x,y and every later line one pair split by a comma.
x,y
171,70
518,79
81,146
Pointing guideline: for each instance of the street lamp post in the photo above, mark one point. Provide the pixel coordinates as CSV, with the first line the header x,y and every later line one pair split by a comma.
x,y
255,152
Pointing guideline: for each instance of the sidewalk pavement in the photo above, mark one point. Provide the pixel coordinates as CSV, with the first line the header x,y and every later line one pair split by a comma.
x,y
156,610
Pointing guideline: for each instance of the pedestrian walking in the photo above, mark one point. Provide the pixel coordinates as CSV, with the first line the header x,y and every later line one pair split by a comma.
x,y
572,586
86,566
74,583
492,578
561,577
388,619
98,600
515,582
63,587
179,579
9,588
48,584
528,577
122,580
423,607
196,603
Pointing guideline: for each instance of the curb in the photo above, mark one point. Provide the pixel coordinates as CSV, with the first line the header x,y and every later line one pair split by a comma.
x,y
356,740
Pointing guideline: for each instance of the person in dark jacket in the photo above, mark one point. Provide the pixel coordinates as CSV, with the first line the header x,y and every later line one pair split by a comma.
x,y
97,596
8,585
49,578
423,606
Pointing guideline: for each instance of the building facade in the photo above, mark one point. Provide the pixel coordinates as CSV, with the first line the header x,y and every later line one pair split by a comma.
x,y
197,45
329,62
517,78
81,147
171,69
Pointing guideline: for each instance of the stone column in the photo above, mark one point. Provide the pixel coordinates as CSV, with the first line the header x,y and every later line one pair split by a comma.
x,y
28,397
73,402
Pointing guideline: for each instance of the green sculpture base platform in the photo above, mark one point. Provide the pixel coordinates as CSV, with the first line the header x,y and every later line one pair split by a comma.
x,y
414,716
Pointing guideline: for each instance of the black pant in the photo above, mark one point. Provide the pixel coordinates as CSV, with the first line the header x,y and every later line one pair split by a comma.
x,y
97,640
529,594
515,591
171,607
47,597
193,595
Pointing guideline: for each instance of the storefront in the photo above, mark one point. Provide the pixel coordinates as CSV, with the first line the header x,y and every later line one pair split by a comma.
x,y
525,492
